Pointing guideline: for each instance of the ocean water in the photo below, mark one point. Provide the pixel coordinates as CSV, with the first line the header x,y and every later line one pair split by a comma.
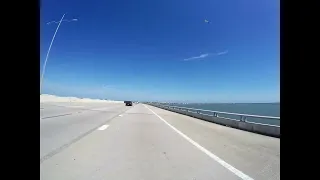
x,y
263,109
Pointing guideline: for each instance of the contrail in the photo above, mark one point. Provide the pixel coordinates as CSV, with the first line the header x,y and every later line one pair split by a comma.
x,y
63,20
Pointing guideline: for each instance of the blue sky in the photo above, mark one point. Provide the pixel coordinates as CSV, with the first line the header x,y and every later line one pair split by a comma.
x,y
163,50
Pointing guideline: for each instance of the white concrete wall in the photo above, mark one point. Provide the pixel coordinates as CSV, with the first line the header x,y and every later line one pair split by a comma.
x,y
52,98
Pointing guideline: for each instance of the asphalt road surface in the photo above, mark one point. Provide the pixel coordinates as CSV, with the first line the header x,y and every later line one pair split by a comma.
x,y
91,141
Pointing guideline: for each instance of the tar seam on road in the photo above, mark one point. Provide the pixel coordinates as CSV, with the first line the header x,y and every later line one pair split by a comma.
x,y
56,116
210,154
58,150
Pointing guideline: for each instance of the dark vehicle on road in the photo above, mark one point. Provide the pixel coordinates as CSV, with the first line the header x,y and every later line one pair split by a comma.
x,y
128,103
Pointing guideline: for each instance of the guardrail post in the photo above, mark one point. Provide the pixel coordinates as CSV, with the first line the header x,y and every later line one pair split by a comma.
x,y
243,118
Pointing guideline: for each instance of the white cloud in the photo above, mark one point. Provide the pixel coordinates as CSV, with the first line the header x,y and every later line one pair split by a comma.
x,y
206,55
197,57
222,53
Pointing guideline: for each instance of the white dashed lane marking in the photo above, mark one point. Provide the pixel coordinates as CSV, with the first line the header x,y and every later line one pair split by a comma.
x,y
103,127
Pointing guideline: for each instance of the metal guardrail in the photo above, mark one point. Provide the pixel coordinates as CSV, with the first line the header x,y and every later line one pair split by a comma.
x,y
240,123
242,117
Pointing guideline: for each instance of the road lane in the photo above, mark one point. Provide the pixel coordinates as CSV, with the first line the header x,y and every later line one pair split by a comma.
x,y
256,155
135,146
58,132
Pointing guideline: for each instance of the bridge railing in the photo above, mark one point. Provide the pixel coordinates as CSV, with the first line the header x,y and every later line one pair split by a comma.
x,y
235,120
242,117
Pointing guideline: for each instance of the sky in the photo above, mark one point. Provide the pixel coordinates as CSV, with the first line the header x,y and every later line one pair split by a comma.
x,y
163,50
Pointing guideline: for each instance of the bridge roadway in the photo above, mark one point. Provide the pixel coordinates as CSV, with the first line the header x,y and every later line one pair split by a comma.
x,y
91,141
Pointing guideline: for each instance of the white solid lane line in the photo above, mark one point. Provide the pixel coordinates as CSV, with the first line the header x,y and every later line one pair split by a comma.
x,y
210,154
103,127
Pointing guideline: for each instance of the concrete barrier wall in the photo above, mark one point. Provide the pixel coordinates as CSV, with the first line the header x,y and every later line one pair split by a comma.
x,y
269,130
